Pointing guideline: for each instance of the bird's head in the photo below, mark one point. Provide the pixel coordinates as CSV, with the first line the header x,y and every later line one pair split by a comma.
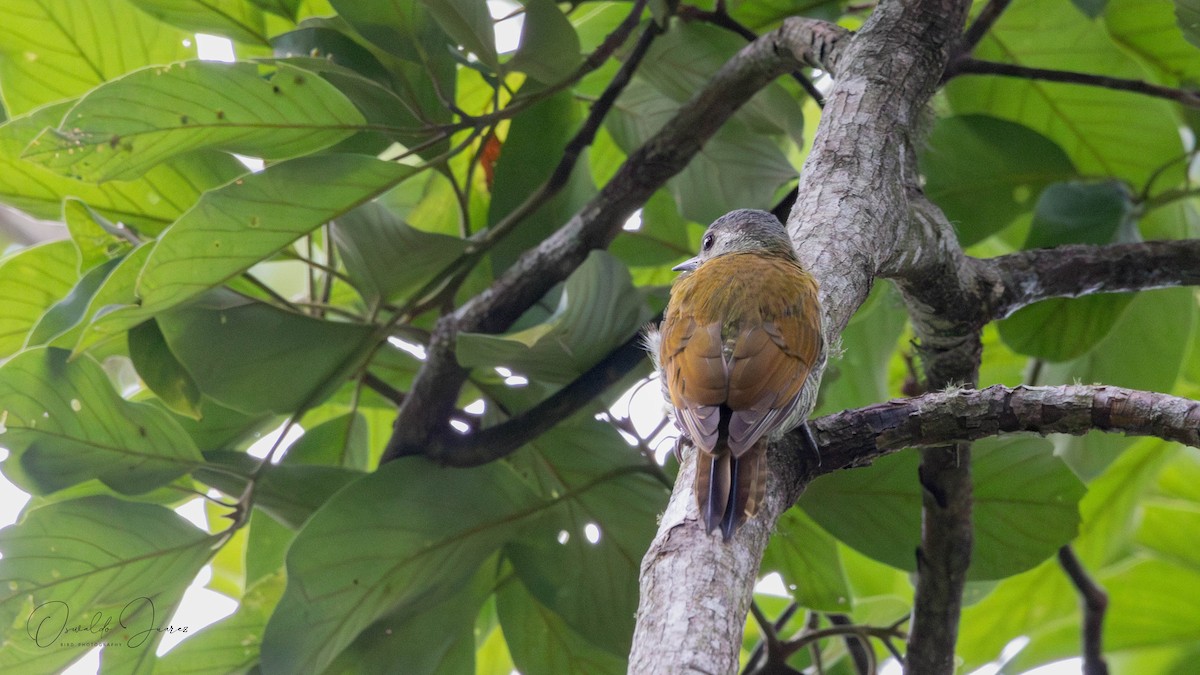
x,y
741,231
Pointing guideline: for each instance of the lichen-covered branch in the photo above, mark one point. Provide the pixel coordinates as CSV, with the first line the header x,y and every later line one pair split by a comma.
x,y
695,589
857,437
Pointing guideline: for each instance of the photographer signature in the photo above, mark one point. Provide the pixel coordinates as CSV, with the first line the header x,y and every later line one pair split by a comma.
x,y
50,621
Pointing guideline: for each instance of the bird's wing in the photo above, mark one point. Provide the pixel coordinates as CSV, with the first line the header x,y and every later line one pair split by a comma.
x,y
771,361
694,366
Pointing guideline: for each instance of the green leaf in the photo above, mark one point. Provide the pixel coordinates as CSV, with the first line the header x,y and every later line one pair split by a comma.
x,y
1151,31
64,424
682,60
417,532
1079,119
236,226
1080,213
1146,605
541,643
231,644
984,172
288,493
148,204
234,19
469,23
1025,507
31,281
256,358
1062,329
599,309
81,568
600,482
807,558
1167,529
1187,13
56,49
161,372
531,151
128,125
549,47
54,328
385,257
341,441
437,641
94,236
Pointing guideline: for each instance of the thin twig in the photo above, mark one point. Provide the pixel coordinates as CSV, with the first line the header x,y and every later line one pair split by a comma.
x,y
1094,602
982,24
971,66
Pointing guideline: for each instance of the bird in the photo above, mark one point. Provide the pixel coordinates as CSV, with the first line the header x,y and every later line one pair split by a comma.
x,y
739,338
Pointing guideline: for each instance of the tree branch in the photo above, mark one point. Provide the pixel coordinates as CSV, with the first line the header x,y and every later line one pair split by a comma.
x,y
1095,602
857,437
1071,271
421,422
971,66
501,440
981,25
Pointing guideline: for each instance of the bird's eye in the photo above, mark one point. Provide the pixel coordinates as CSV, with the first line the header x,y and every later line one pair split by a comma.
x,y
706,243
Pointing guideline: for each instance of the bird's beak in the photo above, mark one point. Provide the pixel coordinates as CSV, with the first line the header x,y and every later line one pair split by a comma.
x,y
688,265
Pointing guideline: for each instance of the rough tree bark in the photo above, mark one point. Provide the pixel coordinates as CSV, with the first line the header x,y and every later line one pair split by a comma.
x,y
852,222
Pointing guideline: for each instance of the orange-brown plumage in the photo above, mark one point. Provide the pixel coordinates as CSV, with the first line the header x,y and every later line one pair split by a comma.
x,y
738,339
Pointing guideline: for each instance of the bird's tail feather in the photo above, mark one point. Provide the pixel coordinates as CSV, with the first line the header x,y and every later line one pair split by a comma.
x,y
729,490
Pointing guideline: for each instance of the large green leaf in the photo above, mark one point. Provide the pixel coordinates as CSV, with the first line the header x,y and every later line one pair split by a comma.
x,y
592,586
984,172
161,372
256,358
288,493
385,257
1145,605
599,309
235,19
437,641
541,643
549,48
1025,507
93,570
56,49
231,644
1152,33
531,151
64,424
808,560
128,125
1037,601
149,203
238,225
1078,118
31,281
860,377
469,23
417,531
